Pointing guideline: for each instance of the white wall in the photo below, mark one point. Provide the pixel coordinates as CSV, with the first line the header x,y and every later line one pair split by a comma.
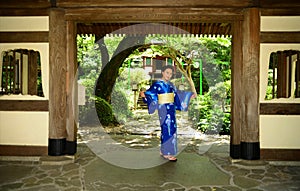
x,y
26,128
277,131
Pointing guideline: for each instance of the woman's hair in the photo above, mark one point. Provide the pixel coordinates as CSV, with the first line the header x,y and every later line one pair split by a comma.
x,y
167,67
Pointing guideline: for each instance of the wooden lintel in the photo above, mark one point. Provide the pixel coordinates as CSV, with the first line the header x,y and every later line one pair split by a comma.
x,y
153,14
154,3
24,105
280,108
280,37
17,37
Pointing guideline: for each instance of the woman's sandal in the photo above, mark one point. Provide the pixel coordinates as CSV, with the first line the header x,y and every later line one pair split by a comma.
x,y
169,158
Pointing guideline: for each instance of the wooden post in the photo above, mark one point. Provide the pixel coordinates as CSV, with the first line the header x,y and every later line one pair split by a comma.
x,y
236,91
71,143
250,147
57,82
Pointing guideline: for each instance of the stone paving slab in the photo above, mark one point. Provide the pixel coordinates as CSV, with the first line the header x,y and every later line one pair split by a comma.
x,y
200,170
203,164
211,170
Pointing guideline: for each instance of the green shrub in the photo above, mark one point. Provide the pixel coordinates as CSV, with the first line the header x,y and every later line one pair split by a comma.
x,y
119,104
211,111
104,112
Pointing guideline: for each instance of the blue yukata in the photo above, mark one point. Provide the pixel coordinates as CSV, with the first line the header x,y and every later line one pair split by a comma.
x,y
167,112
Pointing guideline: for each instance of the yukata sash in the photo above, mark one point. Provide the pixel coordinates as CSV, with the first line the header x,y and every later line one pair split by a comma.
x,y
165,98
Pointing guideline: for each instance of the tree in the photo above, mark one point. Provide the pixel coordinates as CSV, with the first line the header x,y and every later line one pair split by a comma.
x,y
110,71
178,57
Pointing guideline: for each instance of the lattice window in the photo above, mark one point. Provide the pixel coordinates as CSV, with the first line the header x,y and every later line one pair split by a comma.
x,y
20,72
284,74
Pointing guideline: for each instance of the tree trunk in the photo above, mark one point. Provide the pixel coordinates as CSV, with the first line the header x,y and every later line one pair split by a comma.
x,y
110,72
103,49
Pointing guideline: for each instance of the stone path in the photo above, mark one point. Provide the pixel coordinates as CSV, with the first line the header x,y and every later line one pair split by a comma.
x,y
203,165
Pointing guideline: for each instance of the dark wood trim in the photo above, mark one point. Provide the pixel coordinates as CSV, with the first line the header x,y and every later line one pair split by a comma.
x,y
267,4
280,108
24,105
273,4
280,12
23,12
40,7
279,37
14,4
280,154
15,150
18,37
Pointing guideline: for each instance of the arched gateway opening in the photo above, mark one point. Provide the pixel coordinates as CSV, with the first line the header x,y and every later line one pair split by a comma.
x,y
244,104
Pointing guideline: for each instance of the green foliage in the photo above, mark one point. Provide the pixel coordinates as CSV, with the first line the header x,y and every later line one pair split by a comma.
x,y
269,93
88,55
104,112
131,76
211,111
112,43
220,49
120,105
89,60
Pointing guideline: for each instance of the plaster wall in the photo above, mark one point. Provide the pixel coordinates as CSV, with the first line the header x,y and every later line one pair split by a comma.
x,y
277,131
26,128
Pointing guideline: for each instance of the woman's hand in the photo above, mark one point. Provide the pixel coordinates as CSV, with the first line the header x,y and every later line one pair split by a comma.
x,y
194,96
142,94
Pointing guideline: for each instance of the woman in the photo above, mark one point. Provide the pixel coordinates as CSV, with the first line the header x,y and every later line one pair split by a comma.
x,y
163,96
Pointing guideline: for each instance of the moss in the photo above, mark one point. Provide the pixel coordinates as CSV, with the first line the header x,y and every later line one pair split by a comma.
x,y
104,112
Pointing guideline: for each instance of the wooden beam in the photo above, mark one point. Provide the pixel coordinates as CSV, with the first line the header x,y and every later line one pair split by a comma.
x,y
280,154
24,4
280,108
16,150
139,15
291,11
23,12
15,4
273,4
280,37
154,3
19,37
24,105
32,72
